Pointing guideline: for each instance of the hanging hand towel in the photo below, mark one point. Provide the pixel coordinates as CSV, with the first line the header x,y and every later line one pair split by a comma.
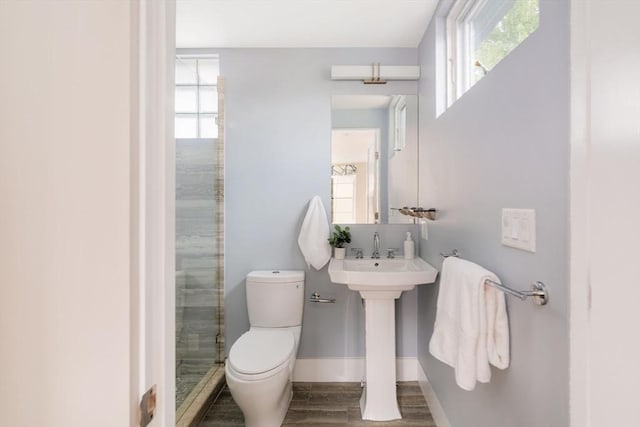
x,y
314,234
471,329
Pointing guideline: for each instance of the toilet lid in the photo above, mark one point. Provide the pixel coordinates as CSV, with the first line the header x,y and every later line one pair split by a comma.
x,y
256,352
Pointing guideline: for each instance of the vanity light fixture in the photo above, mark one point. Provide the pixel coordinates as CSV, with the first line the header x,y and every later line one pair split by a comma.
x,y
375,73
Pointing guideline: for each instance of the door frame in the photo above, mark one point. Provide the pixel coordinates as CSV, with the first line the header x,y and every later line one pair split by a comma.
x,y
152,276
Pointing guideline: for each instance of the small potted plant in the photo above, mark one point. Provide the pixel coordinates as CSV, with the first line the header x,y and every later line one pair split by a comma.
x,y
339,239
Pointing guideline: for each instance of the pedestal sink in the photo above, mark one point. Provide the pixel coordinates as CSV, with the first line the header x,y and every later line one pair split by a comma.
x,y
380,282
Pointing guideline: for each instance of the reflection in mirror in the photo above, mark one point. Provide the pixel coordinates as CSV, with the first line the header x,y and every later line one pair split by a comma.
x,y
374,158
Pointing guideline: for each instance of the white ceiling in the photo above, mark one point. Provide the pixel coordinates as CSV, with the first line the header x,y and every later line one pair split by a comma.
x,y
302,23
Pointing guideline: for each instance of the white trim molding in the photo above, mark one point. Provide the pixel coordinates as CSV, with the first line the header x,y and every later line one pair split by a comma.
x,y
579,355
437,411
347,369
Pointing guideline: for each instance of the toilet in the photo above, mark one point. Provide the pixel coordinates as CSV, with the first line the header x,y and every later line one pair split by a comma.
x,y
260,363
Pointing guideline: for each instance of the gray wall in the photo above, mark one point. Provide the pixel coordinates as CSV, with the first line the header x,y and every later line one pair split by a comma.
x,y
278,130
503,144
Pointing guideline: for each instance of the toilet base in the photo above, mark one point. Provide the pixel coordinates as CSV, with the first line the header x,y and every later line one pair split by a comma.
x,y
264,403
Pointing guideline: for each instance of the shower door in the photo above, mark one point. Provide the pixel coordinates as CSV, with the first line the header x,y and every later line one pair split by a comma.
x,y
199,227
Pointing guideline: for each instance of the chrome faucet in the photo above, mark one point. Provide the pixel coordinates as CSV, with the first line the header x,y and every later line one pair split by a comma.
x,y
376,245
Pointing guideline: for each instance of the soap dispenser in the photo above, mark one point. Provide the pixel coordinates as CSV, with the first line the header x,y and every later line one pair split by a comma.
x,y
409,247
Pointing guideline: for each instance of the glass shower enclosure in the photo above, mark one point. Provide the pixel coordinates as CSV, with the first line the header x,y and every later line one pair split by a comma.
x,y
199,227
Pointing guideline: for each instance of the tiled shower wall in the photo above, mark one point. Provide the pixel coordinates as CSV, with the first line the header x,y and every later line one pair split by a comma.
x,y
197,300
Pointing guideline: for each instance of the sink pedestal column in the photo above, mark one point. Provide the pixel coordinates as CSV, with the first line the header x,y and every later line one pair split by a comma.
x,y
379,401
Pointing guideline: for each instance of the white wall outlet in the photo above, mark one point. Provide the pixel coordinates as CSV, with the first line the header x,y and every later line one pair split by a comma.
x,y
424,230
519,229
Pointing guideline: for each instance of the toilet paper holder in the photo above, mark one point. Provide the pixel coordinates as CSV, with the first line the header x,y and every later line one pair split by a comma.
x,y
315,297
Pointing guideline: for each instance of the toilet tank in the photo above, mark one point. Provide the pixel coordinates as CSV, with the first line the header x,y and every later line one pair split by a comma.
x,y
275,298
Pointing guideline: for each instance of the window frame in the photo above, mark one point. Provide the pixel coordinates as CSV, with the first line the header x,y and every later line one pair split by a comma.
x,y
458,40
460,55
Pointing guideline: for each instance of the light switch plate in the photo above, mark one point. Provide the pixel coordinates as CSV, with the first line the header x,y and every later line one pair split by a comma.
x,y
519,229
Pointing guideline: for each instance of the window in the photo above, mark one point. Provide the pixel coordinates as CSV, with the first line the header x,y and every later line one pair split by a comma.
x,y
196,97
480,33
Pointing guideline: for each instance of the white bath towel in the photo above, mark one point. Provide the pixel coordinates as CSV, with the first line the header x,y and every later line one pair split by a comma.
x,y
471,329
314,234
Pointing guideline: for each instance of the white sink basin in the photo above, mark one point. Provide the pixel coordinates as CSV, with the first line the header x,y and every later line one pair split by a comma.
x,y
382,274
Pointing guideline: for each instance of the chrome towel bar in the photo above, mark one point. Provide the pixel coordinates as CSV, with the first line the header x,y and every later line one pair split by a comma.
x,y
538,289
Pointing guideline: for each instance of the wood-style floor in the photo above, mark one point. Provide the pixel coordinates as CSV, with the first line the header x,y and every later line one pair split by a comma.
x,y
327,404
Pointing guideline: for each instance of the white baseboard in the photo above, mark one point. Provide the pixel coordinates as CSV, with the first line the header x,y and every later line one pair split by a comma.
x,y
348,369
437,412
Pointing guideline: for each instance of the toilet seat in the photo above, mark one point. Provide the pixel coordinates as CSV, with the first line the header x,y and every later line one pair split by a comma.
x,y
259,354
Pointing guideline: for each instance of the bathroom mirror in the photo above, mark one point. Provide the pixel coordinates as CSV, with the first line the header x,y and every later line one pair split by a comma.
x,y
374,158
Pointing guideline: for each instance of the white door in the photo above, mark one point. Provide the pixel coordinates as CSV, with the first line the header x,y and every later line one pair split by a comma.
x,y
605,213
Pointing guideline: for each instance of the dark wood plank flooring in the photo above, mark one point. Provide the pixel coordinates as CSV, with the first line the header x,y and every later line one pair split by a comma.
x,y
327,404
